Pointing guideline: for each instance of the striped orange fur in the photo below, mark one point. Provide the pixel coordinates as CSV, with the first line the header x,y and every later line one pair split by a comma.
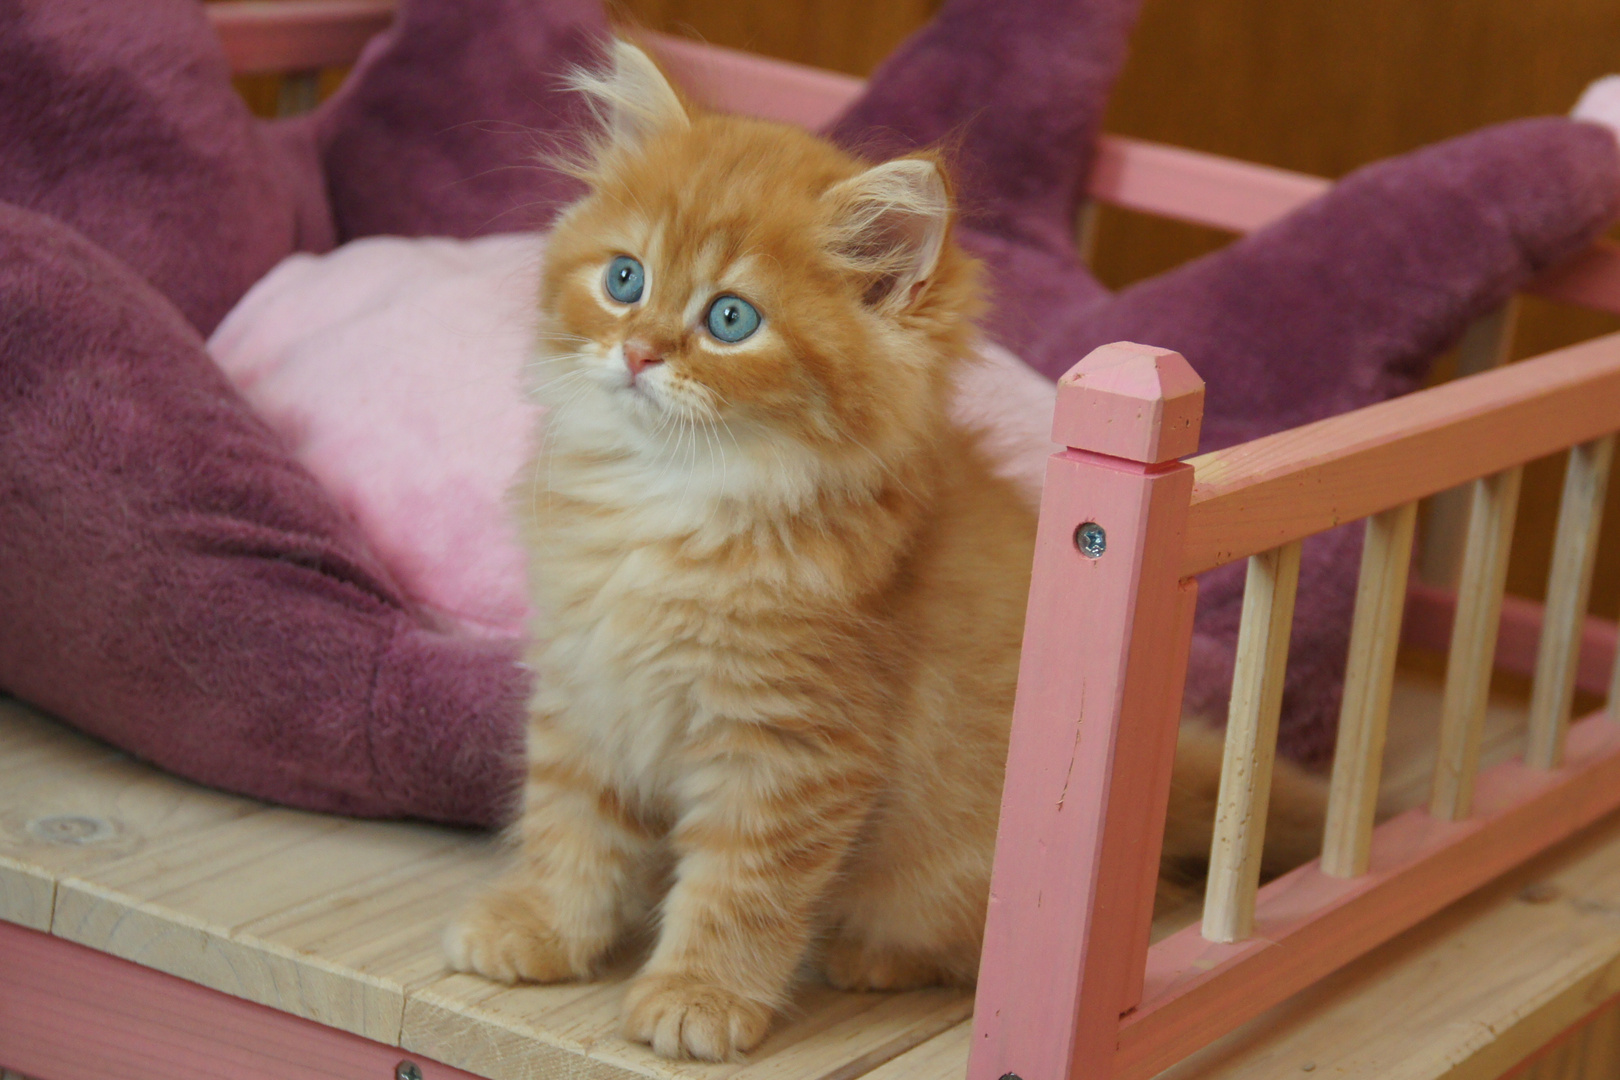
x,y
782,596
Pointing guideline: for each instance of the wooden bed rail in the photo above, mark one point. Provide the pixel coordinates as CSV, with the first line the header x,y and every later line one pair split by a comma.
x,y
1096,699
1259,495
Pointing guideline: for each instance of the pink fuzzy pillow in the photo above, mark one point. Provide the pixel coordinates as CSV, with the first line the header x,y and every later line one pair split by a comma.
x,y
393,368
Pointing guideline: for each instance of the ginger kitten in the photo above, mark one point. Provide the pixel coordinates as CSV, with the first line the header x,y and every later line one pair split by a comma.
x,y
782,597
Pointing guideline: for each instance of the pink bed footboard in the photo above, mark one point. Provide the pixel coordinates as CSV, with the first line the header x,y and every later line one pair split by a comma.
x,y
1070,987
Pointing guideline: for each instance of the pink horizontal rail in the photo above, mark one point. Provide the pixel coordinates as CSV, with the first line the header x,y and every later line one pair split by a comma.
x,y
1255,496
1430,612
262,36
1307,924
71,1013
1204,189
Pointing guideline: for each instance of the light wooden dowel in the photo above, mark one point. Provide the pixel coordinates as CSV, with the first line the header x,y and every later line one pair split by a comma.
x,y
1486,345
1375,636
1569,586
1493,505
1251,743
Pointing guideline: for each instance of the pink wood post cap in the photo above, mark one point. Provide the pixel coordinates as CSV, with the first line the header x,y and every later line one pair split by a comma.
x,y
1130,401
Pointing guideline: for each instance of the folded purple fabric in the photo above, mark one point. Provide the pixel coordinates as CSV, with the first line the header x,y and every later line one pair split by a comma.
x,y
172,581
442,128
120,120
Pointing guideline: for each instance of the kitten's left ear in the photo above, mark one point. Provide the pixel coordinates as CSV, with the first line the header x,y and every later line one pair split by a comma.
x,y
890,224
632,97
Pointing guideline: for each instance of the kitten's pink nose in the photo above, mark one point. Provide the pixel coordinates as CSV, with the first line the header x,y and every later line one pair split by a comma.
x,y
639,354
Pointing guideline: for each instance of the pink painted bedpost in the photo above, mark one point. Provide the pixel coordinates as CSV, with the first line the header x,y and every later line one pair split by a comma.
x,y
1094,728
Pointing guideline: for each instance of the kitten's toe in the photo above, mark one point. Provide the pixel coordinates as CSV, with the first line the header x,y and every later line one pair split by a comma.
x,y
502,937
851,964
685,1016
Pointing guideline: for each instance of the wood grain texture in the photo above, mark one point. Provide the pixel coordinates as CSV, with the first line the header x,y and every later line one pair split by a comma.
x,y
338,921
1569,587
71,1013
1092,746
1485,346
1467,996
571,1031
1261,494
1493,502
69,804
1369,679
1589,1051
1309,924
222,909
844,35
1251,743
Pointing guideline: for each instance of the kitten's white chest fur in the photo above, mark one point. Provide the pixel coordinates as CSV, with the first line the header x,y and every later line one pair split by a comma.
x,y
631,635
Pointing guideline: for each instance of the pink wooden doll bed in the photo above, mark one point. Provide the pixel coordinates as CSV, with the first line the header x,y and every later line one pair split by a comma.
x,y
1070,986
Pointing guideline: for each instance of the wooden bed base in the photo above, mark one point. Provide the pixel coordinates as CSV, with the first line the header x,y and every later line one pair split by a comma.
x,y
1070,988
72,1013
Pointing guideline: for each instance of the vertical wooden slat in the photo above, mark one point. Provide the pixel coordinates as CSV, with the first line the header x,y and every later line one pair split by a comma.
x,y
1094,723
1486,345
1386,556
1251,743
1569,586
1493,505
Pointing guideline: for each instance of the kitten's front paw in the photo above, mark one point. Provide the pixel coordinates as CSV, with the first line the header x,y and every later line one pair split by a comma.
x,y
684,1016
502,936
850,964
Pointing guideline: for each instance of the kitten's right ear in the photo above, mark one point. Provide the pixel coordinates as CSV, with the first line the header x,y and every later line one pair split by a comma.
x,y
889,225
632,97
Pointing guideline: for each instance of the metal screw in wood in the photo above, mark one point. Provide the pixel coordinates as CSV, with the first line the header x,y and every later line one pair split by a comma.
x,y
1091,540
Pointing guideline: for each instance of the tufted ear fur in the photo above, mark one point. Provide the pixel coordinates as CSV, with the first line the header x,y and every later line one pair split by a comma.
x,y
632,98
889,224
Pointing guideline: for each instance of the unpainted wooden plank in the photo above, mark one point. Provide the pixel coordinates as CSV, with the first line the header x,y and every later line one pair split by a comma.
x,y
944,1057
70,803
182,907
1484,345
1465,996
1251,743
1493,506
27,894
1386,555
389,926
1310,925
538,1030
1569,587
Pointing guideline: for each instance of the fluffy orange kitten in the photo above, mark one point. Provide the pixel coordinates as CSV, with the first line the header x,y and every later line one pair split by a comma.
x,y
782,595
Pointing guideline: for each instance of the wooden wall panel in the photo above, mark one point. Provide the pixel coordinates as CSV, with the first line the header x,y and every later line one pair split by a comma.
x,y
844,35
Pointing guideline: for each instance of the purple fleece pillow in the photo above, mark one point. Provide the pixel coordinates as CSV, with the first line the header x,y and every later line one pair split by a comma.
x,y
441,128
172,581
118,118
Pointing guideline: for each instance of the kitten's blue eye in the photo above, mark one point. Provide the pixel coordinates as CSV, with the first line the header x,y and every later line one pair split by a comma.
x,y
731,318
625,279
